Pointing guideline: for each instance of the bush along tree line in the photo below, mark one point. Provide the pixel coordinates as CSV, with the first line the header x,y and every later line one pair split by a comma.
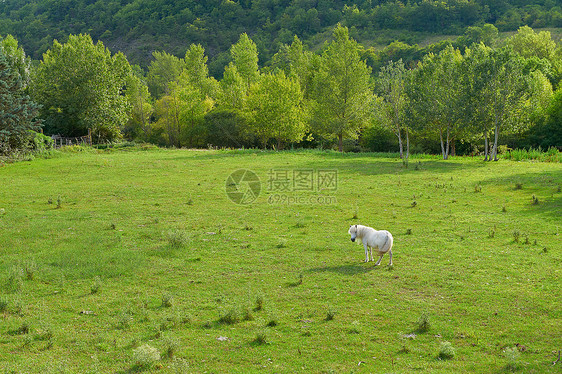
x,y
454,98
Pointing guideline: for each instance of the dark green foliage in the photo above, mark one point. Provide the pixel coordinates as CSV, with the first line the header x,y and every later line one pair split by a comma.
x,y
80,85
17,111
138,26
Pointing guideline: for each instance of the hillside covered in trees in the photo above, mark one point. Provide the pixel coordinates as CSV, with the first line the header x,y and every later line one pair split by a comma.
x,y
139,27
269,87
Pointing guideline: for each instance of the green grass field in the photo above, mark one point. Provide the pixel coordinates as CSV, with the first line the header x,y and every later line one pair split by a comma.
x,y
111,259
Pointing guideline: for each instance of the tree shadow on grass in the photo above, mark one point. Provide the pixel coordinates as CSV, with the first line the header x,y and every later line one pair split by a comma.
x,y
349,269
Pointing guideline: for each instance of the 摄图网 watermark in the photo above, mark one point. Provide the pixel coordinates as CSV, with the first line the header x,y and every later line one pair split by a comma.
x,y
284,186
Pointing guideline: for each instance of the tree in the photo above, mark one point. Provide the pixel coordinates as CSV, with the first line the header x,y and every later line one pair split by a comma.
x,y
16,58
232,93
342,91
165,68
245,57
297,62
497,92
197,73
181,113
276,106
391,106
80,86
435,93
18,112
140,109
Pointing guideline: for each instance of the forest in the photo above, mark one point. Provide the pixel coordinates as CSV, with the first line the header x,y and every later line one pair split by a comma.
x,y
139,27
475,94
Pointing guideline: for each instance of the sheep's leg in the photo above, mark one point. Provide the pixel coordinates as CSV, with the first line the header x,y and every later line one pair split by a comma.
x,y
379,261
390,254
366,252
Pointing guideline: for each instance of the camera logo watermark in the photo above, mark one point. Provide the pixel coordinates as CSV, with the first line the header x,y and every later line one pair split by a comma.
x,y
285,186
243,186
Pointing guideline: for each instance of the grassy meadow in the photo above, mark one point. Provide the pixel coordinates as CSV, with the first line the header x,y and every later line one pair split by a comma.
x,y
136,260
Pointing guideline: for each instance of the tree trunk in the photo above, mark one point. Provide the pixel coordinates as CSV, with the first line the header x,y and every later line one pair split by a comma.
x,y
400,142
442,146
340,142
485,146
407,145
448,142
453,150
495,148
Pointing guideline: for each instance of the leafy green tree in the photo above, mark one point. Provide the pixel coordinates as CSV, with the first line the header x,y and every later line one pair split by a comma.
x,y
180,114
297,62
80,86
233,89
197,73
528,43
245,57
392,102
18,112
17,58
498,93
342,90
435,96
276,106
165,68
540,50
140,109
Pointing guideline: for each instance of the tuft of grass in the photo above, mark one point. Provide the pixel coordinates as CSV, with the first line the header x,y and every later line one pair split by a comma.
x,y
171,346
4,304
259,304
230,318
512,355
355,212
535,200
145,356
272,323
261,339
96,285
14,281
247,315
177,238
516,235
330,315
446,351
167,300
424,323
30,269
518,186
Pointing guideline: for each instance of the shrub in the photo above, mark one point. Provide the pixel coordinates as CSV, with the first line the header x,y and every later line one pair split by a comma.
x,y
446,351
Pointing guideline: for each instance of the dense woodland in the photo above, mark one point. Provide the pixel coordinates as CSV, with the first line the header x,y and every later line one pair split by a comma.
x,y
139,27
471,94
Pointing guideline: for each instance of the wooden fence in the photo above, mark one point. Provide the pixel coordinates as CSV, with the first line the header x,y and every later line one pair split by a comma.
x,y
60,141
